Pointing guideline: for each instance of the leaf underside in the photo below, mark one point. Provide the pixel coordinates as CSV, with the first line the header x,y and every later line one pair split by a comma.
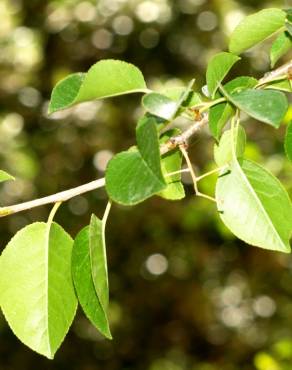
x,y
84,285
256,28
255,207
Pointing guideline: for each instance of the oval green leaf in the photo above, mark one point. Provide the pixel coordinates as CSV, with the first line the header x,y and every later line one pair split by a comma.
x,y
218,68
256,28
83,281
104,79
36,290
267,106
135,175
254,205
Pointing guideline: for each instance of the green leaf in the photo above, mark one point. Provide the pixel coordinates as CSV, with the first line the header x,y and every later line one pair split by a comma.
x,y
255,207
135,175
256,28
104,79
83,281
218,68
284,85
223,150
289,14
4,176
288,141
280,47
240,83
176,93
219,115
264,105
172,162
98,260
160,105
36,289
171,102
289,27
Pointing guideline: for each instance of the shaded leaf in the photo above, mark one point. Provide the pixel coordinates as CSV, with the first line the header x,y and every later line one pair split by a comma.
x,y
256,28
36,289
218,68
240,83
83,282
172,162
104,79
254,206
289,27
135,175
219,115
176,93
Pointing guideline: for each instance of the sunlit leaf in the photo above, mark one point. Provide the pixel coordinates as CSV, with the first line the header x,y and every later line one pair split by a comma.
x,y
267,106
104,79
223,150
4,176
254,205
283,85
256,28
36,289
176,93
218,68
160,105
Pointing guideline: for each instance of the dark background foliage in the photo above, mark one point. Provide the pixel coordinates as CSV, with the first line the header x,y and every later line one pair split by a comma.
x,y
185,294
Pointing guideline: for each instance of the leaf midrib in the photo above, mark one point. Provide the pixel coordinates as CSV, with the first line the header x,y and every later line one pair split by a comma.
x,y
259,203
47,245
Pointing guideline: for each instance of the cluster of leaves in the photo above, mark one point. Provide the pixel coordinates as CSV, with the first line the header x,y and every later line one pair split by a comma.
x,y
44,273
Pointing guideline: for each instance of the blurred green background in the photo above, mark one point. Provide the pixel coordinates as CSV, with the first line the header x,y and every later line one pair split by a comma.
x,y
185,294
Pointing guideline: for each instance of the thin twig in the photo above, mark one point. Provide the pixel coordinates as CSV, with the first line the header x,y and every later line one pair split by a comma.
x,y
173,143
181,139
54,198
